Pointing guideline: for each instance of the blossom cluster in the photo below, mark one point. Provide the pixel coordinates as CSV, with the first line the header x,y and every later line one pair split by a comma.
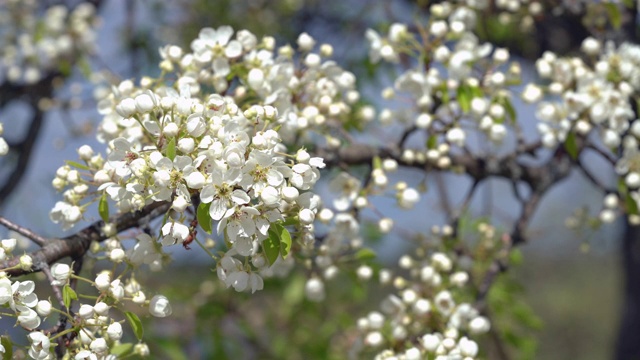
x,y
594,105
98,330
451,98
31,45
425,316
222,151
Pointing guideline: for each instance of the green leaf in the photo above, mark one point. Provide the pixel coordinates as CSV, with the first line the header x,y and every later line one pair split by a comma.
x,y
615,17
365,254
516,257
464,98
632,205
8,348
171,149
135,323
571,145
68,295
280,241
285,242
77,165
204,219
271,246
432,142
122,350
508,106
85,67
103,208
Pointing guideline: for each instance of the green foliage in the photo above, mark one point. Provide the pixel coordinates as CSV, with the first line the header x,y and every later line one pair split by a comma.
x,y
103,208
122,350
135,323
77,165
278,243
8,347
514,320
571,145
171,149
204,219
68,295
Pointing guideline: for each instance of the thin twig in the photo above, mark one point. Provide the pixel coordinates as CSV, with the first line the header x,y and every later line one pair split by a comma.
x,y
41,241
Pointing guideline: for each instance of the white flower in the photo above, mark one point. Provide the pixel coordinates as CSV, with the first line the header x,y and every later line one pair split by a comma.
x,y
4,147
174,233
408,198
8,244
6,292
43,308
159,306
431,342
28,318
141,349
444,302
468,347
23,294
103,281
314,289
39,345
114,331
86,311
85,355
60,273
479,325
101,308
347,188
99,346
306,42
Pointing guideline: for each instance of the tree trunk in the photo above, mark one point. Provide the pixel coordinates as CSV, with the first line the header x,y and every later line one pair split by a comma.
x,y
628,346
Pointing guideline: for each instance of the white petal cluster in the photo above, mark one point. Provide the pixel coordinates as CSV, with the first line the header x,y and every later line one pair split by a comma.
x,y
428,292
33,45
21,298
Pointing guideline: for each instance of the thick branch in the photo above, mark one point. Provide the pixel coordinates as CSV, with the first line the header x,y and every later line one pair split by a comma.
x,y
76,245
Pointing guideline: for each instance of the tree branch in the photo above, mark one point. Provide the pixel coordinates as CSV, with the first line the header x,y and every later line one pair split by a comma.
x,y
76,245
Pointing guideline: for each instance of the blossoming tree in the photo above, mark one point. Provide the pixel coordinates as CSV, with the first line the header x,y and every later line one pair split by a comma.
x,y
221,153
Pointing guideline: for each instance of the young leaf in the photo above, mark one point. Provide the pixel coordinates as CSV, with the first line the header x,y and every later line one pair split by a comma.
x,y
365,254
171,149
103,208
285,242
615,16
632,206
77,165
135,323
68,295
271,245
464,98
122,350
204,219
571,146
432,142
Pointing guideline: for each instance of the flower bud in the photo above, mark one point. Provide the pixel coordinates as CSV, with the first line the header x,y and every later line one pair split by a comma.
x,y
85,152
26,262
8,244
60,273
43,308
103,281
159,306
99,346
114,331
86,311
101,308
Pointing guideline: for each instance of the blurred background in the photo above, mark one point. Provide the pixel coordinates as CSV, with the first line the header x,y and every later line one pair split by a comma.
x,y
567,287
